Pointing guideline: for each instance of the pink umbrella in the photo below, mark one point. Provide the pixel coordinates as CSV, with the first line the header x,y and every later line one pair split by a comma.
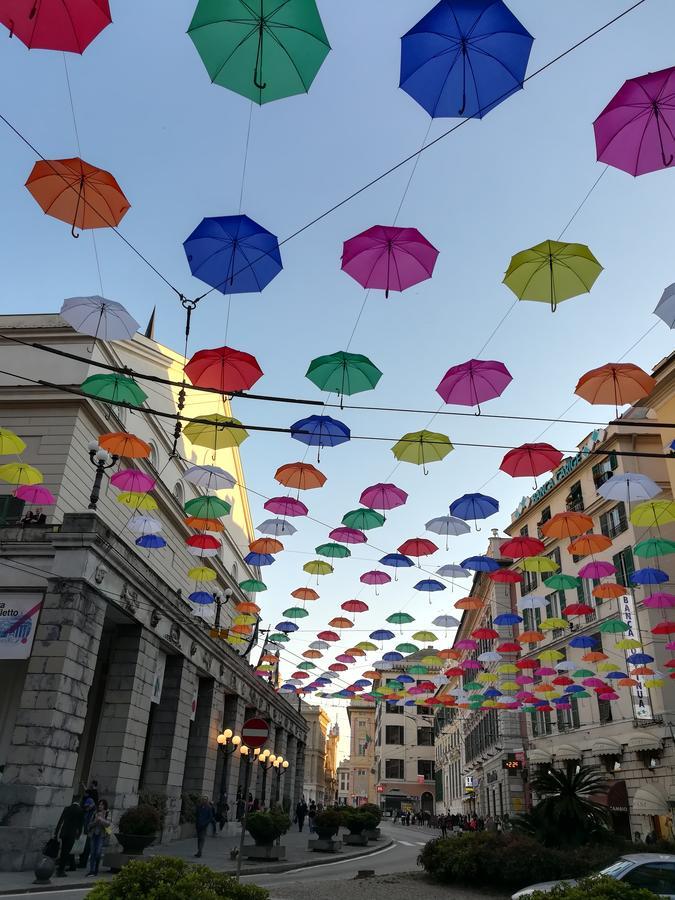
x,y
389,258
133,480
660,600
524,679
466,644
545,670
636,130
470,664
345,658
375,577
35,495
474,382
383,496
598,569
347,536
286,506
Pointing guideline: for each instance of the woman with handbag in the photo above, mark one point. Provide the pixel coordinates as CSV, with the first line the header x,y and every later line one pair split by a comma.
x,y
100,829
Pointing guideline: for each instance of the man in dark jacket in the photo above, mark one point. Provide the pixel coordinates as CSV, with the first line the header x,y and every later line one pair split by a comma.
x,y
301,813
203,819
67,831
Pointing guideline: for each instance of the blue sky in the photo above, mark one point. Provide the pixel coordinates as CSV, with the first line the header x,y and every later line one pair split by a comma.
x,y
147,112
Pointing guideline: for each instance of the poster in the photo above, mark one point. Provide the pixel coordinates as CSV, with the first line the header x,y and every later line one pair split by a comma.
x,y
158,681
193,706
642,707
18,621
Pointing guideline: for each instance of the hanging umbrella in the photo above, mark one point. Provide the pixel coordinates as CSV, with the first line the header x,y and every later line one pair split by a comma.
x,y
343,373
333,551
463,59
453,571
263,50
104,319
615,384
389,258
418,547
430,585
520,546
136,501
589,543
305,594
375,577
363,519
66,25
328,636
446,622
252,585
203,524
635,131
552,272
538,564
348,536
531,460
211,478
474,382
201,598
223,369
629,487
426,636
396,561
649,576
320,431
233,254
505,576
122,444
10,443
277,527
469,603
150,542
608,591
660,600
132,480
216,432
35,495
480,564
78,193
653,513
566,525
381,634
472,507
143,524
399,618
114,389
266,545
654,547
383,496
21,473
294,612
507,619
600,569
665,308
422,447
448,526
208,507
354,606
286,506
300,476
318,567
259,559
532,602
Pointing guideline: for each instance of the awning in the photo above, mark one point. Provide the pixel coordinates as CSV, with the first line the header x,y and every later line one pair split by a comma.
x,y
647,801
566,752
606,746
644,741
537,756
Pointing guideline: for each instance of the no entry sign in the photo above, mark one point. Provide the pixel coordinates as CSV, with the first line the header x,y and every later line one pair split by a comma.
x,y
255,732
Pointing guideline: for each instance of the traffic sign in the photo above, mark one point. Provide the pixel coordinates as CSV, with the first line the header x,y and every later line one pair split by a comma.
x,y
254,733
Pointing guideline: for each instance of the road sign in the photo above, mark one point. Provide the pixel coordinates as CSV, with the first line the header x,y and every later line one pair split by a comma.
x,y
254,733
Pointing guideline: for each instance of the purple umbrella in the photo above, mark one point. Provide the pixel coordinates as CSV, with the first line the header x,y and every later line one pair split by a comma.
x,y
660,600
389,258
635,132
598,569
474,382
383,496
347,536
286,506
375,577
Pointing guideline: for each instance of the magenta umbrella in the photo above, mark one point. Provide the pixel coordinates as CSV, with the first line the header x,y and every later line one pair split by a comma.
x,y
286,506
375,577
347,536
389,258
35,495
383,496
474,382
598,569
635,132
660,600
133,480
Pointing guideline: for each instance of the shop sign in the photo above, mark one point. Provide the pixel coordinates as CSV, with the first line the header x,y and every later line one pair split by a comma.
x,y
18,620
642,707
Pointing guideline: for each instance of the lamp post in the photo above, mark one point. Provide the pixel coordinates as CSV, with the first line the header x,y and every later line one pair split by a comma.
x,y
101,460
268,761
280,766
220,602
229,743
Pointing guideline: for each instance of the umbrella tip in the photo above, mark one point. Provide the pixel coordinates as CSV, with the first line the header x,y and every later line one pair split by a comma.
x,y
150,329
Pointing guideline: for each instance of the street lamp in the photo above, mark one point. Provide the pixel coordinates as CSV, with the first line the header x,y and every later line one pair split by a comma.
x,y
216,631
229,743
101,460
267,760
280,766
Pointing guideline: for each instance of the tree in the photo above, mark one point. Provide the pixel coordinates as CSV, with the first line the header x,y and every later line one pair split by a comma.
x,y
567,811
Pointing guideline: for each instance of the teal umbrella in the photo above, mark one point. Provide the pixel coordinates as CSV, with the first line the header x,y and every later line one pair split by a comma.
x,y
114,389
262,49
344,373
363,519
333,551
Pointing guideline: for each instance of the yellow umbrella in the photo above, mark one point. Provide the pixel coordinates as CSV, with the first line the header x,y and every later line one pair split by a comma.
x,y
245,619
486,677
552,655
422,447
550,624
20,473
627,644
653,512
10,442
318,567
552,271
136,500
606,667
432,661
507,668
202,573
509,686
538,564
222,433
235,639
424,636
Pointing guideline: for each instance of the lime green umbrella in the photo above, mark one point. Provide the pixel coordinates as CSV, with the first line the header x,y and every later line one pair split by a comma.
x,y
654,547
343,373
407,648
562,582
262,49
207,507
363,519
422,447
114,388
424,636
317,567
538,564
295,612
613,626
333,551
653,512
399,618
552,271
367,646
432,661
253,585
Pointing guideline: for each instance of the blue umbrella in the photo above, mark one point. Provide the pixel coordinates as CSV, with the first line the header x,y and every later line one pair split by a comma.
x,y
392,656
464,57
492,692
396,561
259,559
616,674
410,703
645,576
201,598
480,564
320,431
639,659
286,627
405,679
381,634
471,507
233,254
287,687
363,682
150,542
507,619
582,641
430,585
574,688
322,682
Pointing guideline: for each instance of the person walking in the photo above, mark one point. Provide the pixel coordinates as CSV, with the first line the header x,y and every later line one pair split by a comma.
x,y
443,822
203,818
99,832
214,819
301,813
311,816
89,816
67,831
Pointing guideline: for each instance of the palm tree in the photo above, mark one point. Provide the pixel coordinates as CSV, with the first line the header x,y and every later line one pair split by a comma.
x,y
567,811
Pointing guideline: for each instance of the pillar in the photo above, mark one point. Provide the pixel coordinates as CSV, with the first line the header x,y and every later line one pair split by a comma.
x,y
233,718
281,749
288,780
269,782
299,772
202,753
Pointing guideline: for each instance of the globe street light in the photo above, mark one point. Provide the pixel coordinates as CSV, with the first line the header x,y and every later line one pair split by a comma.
x,y
228,742
101,460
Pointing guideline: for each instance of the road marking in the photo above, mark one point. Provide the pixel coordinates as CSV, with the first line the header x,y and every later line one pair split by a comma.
x,y
407,843
421,843
338,862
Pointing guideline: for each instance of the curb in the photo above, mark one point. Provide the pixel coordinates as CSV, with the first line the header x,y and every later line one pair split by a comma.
x,y
280,869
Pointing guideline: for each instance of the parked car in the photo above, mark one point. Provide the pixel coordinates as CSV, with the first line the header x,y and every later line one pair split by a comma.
x,y
655,871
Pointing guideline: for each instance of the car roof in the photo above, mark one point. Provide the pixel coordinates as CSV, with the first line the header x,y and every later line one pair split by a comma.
x,y
640,858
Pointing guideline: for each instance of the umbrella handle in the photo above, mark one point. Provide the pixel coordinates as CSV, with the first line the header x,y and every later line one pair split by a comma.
x,y
257,83
72,231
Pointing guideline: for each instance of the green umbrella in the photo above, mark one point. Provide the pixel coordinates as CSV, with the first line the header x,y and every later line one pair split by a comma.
x,y
295,612
114,388
262,49
394,686
343,373
552,271
562,582
582,695
583,673
207,507
252,585
279,638
363,519
428,636
473,686
306,666
417,670
366,645
407,648
654,547
422,447
333,551
613,626
400,618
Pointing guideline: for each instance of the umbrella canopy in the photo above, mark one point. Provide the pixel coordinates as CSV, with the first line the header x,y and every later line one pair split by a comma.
x,y
252,585
211,478
615,384
450,526
132,480
305,594
538,564
35,495
480,564
589,543
600,569
264,50
665,308
78,193
120,443
10,443
430,585
144,524
532,602
389,258
531,460
654,547
520,546
317,567
223,369
363,519
383,496
286,506
320,431
506,576
233,254
451,570
660,600
631,487
333,551
343,373
354,606
417,547
114,389
259,559
266,545
472,507
552,272
396,561
474,382
208,507
104,319
566,525
301,476
216,432
348,536
67,25
653,513
375,577
150,542
422,447
463,59
277,527
400,618
635,131
20,473
136,500
649,576
381,634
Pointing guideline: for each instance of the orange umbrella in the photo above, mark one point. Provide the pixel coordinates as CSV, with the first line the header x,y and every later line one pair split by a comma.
x,y
567,525
305,594
341,622
355,651
301,476
628,682
372,673
312,654
269,658
530,637
615,384
78,193
469,603
265,545
247,606
589,543
449,654
119,443
643,670
594,656
204,524
609,591
241,629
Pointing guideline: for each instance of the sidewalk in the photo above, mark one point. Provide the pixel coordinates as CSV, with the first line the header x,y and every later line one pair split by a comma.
x,y
216,856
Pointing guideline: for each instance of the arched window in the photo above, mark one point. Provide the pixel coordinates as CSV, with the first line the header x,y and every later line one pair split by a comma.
x,y
179,492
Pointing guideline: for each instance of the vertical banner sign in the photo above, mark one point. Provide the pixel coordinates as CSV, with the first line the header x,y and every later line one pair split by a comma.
x,y
18,620
158,682
642,707
195,697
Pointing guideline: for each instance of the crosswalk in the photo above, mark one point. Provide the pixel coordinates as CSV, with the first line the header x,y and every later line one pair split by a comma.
x,y
412,843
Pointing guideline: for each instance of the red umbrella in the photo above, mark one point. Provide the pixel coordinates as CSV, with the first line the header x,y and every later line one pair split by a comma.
x,y
509,647
69,25
519,547
354,606
531,459
505,576
328,636
203,541
223,369
418,547
484,634
337,667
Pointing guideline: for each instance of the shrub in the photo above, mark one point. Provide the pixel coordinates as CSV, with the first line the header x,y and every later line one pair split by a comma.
x,y
151,798
357,821
266,827
188,808
167,878
329,820
140,820
595,889
373,810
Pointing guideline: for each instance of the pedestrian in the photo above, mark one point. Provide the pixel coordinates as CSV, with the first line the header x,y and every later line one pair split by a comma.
x,y
240,805
89,808
651,838
223,809
99,832
311,816
67,831
214,818
91,792
203,817
637,837
301,813
444,826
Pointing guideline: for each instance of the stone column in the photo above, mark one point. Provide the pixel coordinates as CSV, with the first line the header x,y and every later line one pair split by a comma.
x,y
202,754
288,780
281,749
270,775
299,773
120,740
167,742
234,719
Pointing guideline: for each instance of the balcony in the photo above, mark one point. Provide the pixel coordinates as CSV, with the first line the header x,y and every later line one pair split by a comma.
x,y
575,505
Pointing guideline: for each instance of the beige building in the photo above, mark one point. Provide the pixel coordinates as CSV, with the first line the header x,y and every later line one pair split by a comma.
x,y
330,766
344,794
362,764
318,723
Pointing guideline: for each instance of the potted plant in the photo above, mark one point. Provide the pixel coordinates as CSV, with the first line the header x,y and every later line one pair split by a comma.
x,y
357,822
138,828
265,828
327,823
372,831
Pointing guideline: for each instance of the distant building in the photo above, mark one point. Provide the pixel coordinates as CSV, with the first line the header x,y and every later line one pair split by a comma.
x,y
330,765
318,723
344,783
361,753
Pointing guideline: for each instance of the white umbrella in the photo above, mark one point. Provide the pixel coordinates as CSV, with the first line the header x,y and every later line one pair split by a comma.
x,y
566,666
489,657
277,527
320,645
104,319
532,603
142,524
449,526
446,622
211,478
453,571
200,551
665,308
630,487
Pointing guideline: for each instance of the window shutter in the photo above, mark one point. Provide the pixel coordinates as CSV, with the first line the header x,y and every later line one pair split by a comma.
x,y
604,525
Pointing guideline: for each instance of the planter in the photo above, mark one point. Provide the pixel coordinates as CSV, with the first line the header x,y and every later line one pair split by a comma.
x,y
324,845
135,844
373,834
326,834
356,840
264,851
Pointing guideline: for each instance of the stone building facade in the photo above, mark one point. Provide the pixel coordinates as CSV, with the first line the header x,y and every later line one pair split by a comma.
x,y
362,764
318,724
